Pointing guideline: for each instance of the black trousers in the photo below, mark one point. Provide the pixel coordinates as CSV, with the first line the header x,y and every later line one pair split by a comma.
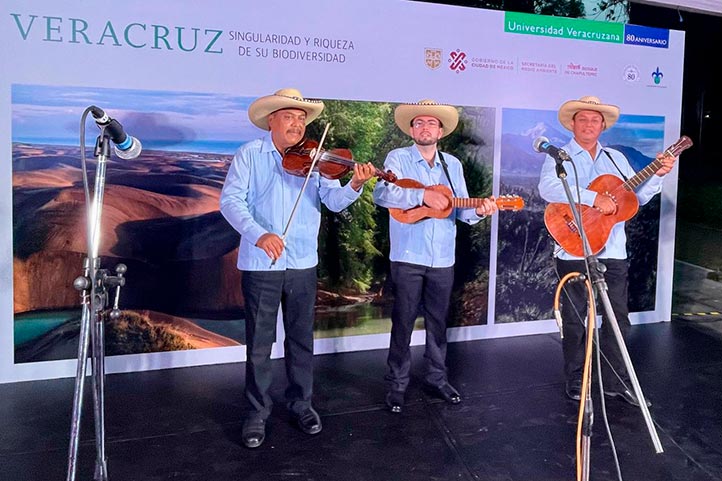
x,y
419,289
574,312
295,292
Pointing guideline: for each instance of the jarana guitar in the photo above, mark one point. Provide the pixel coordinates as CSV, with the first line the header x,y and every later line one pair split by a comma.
x,y
415,214
563,228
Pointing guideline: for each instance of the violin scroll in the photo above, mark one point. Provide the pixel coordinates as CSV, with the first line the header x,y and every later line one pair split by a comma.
x,y
387,176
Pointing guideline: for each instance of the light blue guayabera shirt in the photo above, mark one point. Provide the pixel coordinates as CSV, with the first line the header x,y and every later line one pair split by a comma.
x,y
552,190
258,197
429,242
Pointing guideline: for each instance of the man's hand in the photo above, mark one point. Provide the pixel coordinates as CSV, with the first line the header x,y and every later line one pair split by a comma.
x,y
361,174
271,244
605,204
487,207
435,199
667,164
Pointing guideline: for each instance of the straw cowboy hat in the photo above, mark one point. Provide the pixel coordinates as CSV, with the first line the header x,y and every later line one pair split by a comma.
x,y
262,107
569,109
447,115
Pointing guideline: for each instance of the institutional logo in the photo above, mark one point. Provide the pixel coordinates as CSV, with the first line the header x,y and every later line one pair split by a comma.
x,y
646,36
433,58
631,73
657,76
457,61
586,70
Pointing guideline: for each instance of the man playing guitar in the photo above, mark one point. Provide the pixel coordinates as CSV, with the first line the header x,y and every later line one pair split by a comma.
x,y
423,250
587,118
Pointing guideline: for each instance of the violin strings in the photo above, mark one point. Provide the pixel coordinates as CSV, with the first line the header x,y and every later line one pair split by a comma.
x,y
337,158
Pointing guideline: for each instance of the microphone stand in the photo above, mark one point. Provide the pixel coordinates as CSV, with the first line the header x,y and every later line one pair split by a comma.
x,y
596,275
94,286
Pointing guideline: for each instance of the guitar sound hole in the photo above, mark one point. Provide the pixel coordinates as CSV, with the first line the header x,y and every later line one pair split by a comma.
x,y
570,224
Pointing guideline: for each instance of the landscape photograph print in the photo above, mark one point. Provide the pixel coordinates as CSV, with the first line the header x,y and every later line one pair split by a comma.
x,y
161,219
526,279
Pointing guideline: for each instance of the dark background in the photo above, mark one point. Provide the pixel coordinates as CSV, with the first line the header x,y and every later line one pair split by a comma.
x,y
699,196
701,99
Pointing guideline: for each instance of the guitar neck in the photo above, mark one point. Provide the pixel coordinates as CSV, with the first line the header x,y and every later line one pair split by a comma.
x,y
640,177
466,203
503,202
673,150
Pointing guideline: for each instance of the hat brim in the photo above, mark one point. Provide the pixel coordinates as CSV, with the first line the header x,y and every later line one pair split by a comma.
x,y
262,107
447,115
570,108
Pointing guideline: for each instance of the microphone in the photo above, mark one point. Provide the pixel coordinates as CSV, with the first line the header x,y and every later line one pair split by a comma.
x,y
541,144
126,147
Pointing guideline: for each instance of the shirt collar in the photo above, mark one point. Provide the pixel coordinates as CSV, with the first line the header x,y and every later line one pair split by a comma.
x,y
576,149
419,158
268,145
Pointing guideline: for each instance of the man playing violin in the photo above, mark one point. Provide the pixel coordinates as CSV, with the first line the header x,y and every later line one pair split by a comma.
x,y
423,253
587,118
257,199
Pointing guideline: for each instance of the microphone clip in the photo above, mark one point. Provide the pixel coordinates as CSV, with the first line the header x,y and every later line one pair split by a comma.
x,y
125,146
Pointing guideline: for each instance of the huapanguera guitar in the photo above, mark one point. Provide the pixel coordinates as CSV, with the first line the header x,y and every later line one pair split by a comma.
x,y
563,228
415,214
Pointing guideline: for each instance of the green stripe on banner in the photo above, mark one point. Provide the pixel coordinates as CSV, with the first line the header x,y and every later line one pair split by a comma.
x,y
562,27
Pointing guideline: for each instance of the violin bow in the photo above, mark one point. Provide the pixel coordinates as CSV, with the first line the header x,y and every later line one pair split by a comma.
x,y
303,187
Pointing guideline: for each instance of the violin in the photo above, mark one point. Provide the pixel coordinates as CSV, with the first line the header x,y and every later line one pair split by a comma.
x,y
332,164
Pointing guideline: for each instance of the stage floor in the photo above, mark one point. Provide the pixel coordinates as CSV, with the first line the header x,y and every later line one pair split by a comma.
x,y
514,422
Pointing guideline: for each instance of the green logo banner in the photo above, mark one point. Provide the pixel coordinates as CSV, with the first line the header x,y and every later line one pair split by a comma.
x,y
562,27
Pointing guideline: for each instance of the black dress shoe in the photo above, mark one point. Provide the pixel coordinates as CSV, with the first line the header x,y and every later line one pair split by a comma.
x,y
395,401
445,392
627,396
574,389
309,422
253,432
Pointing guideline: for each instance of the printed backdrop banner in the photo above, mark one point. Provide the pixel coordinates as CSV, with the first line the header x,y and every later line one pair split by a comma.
x,y
181,79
